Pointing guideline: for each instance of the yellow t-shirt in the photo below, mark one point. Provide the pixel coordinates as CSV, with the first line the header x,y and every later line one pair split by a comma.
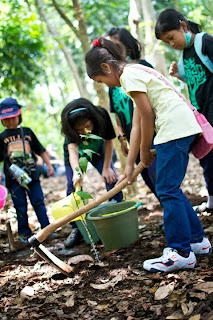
x,y
173,118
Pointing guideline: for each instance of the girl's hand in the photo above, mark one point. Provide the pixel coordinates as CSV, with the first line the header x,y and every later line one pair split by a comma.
x,y
77,177
109,175
147,157
127,174
173,70
124,147
50,170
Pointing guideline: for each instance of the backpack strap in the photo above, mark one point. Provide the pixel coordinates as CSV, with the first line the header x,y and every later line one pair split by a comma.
x,y
198,43
181,70
161,77
198,48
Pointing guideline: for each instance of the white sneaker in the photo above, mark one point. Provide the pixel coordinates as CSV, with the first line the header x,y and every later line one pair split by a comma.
x,y
203,248
170,261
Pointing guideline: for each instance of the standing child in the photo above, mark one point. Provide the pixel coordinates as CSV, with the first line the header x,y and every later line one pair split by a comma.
x,y
81,117
157,107
19,145
122,105
195,67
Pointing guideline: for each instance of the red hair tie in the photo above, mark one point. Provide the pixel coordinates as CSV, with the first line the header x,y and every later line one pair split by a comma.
x,y
96,43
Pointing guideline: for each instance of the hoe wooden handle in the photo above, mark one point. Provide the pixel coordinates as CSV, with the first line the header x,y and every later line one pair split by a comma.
x,y
44,233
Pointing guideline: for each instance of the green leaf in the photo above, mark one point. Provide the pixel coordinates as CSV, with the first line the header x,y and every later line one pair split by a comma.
x,y
83,163
84,195
91,136
89,152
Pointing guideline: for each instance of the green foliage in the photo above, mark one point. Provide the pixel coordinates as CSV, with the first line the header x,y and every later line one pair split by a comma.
x,y
84,195
83,163
102,16
21,49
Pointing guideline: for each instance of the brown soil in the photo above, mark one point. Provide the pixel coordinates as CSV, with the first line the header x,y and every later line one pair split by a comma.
x,y
117,289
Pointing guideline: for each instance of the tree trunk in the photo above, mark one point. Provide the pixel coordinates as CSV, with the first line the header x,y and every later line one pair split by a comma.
x,y
81,87
82,35
134,19
10,236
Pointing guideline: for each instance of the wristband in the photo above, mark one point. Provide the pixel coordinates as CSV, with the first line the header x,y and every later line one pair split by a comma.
x,y
120,136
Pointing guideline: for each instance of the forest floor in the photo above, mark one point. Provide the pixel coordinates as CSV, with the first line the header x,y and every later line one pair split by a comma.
x,y
116,289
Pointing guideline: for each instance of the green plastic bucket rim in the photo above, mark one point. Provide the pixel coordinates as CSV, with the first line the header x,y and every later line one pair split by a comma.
x,y
113,214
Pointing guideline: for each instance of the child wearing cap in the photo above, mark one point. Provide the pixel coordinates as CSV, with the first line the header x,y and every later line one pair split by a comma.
x,y
19,145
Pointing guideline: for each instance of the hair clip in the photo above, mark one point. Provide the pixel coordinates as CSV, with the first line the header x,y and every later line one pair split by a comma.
x,y
96,43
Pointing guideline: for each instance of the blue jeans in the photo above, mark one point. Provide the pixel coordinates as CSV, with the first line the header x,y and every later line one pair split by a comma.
x,y
207,165
149,174
19,198
181,224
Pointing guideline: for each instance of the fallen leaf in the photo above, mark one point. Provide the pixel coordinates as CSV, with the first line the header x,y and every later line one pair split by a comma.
x,y
91,303
111,283
70,301
199,295
27,292
164,291
175,315
80,258
205,286
196,317
187,308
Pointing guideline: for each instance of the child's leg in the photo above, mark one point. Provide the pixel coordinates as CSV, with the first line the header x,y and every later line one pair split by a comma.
x,y
207,165
179,217
69,175
37,200
70,187
98,164
149,175
19,199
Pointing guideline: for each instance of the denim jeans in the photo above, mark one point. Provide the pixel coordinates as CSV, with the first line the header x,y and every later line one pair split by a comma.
x,y
181,224
149,174
19,198
207,165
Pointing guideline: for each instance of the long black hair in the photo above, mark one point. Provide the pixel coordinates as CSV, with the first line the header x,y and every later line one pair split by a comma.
x,y
77,112
104,51
133,47
170,19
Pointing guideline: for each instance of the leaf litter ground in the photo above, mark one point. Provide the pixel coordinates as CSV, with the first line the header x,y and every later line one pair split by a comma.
x,y
119,289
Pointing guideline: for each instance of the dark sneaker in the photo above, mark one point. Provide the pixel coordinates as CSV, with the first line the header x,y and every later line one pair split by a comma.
x,y
3,233
170,261
202,248
202,208
73,239
24,239
53,236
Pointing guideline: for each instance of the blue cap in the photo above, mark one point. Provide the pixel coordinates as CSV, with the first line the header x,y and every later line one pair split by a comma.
x,y
9,108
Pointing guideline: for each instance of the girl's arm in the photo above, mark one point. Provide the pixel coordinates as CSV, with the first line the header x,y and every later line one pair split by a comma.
x,y
44,156
123,141
134,145
107,173
147,117
173,70
74,162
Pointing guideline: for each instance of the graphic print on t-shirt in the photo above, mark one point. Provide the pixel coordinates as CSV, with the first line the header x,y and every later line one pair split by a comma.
x,y
195,75
16,150
121,103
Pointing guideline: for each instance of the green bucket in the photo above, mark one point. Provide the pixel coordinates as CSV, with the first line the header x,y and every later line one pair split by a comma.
x,y
90,225
116,224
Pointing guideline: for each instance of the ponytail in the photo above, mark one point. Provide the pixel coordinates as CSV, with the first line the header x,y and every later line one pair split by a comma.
x,y
103,51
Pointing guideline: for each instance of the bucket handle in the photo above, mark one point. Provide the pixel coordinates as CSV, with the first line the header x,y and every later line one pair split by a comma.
x,y
135,206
